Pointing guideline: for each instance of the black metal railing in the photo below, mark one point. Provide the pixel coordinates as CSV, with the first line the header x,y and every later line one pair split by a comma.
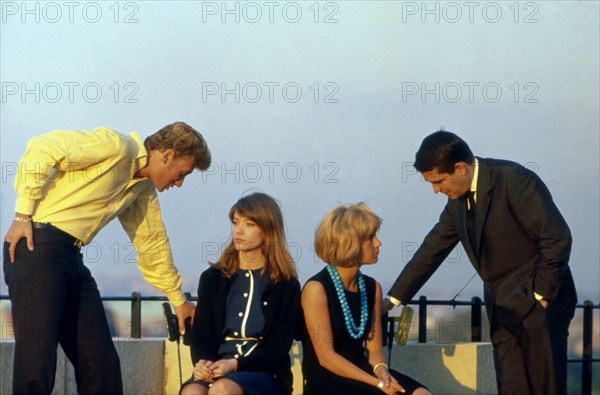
x,y
476,305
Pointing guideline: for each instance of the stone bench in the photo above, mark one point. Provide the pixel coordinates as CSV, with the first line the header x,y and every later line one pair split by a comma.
x,y
150,366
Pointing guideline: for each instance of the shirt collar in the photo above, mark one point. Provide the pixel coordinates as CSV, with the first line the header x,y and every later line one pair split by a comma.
x,y
475,176
141,160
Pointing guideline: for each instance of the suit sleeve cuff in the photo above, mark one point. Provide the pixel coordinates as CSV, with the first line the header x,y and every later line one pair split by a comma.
x,y
395,301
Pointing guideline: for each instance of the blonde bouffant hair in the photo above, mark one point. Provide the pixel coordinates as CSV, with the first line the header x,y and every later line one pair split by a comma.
x,y
341,233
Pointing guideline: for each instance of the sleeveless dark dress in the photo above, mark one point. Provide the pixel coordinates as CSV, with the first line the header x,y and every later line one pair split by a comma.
x,y
320,381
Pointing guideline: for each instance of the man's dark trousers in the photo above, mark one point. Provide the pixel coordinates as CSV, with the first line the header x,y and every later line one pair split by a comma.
x,y
531,358
56,300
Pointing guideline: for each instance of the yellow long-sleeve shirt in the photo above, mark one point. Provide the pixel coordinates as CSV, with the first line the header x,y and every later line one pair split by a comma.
x,y
80,180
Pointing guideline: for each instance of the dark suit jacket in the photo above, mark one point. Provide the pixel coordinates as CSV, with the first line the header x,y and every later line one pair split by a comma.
x,y
281,308
524,244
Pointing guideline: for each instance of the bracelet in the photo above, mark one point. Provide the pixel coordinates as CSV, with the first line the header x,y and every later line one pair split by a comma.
x,y
378,365
381,384
22,219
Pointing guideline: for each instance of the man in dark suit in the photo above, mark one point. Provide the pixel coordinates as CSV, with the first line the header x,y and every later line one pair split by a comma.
x,y
518,242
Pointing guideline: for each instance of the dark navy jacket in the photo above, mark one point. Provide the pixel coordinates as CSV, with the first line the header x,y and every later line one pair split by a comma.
x,y
281,309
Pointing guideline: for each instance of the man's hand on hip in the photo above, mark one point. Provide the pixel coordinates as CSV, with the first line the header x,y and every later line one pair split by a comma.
x,y
16,232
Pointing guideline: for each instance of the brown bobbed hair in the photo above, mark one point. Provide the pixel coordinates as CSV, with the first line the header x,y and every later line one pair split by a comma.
x,y
265,212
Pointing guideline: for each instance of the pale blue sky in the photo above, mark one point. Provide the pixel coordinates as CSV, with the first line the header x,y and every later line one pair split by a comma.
x,y
514,90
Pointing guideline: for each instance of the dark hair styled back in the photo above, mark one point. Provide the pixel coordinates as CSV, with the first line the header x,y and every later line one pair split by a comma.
x,y
442,150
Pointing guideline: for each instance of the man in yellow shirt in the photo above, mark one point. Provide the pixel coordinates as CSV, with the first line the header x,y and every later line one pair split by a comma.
x,y
69,185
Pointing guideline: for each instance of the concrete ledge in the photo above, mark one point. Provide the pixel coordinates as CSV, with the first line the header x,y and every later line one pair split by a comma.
x,y
460,368
142,362
150,366
171,383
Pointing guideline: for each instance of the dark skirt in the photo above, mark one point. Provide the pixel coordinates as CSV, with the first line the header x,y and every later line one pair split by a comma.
x,y
332,384
253,383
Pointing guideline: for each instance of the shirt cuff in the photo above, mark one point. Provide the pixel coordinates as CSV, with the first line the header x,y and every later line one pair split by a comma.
x,y
538,296
395,301
24,205
177,298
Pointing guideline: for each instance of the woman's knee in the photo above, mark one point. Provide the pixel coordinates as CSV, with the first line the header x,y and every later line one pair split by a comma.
x,y
421,391
225,386
193,389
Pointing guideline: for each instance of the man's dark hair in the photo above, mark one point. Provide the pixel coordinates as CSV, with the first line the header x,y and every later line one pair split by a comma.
x,y
441,151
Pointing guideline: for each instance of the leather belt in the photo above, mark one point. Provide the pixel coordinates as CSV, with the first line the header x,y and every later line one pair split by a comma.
x,y
73,240
242,339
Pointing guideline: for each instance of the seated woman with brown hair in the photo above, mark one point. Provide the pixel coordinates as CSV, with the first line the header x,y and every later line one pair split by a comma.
x,y
248,302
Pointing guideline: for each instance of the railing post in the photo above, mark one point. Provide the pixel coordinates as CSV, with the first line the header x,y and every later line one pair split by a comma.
x,y
387,326
475,319
586,366
423,319
136,315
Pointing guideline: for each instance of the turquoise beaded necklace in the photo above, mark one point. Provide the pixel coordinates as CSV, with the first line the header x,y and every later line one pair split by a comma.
x,y
354,331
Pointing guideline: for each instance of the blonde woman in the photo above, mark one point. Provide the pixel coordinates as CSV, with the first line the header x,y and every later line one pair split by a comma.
x,y
343,340
248,305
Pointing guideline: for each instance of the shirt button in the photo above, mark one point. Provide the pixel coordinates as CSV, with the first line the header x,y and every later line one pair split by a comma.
x,y
245,294
247,274
235,334
240,314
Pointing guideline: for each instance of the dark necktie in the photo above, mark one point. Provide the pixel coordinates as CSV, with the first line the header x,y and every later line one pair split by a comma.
x,y
471,219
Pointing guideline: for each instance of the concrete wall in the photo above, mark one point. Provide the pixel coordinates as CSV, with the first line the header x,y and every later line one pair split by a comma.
x,y
461,368
142,364
150,366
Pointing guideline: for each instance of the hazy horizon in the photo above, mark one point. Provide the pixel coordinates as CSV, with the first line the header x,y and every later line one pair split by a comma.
x,y
315,103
